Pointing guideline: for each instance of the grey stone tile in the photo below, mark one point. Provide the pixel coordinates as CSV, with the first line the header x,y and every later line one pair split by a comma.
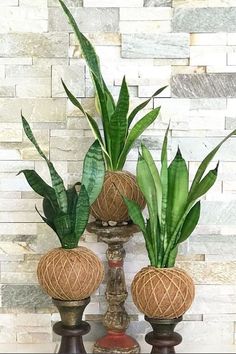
x,y
157,3
230,122
218,19
26,296
103,19
34,44
164,45
204,85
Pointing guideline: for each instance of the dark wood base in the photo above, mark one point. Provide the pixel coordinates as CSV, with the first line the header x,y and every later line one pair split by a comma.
x,y
116,343
71,327
163,338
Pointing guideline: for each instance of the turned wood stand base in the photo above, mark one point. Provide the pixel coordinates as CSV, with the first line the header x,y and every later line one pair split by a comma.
x,y
71,327
116,320
163,338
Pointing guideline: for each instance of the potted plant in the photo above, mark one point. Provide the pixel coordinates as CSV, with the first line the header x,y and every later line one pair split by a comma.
x,y
162,290
118,135
69,272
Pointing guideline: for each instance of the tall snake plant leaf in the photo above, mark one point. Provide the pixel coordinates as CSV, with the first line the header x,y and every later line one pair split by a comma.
x,y
72,98
89,54
147,187
135,132
205,184
92,122
118,123
156,176
93,171
82,212
87,49
57,181
178,180
104,112
72,197
164,182
204,164
190,222
143,105
39,186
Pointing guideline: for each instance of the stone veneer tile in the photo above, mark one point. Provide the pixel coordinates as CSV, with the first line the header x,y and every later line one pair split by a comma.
x,y
164,45
36,110
156,3
204,20
34,44
204,85
26,296
104,20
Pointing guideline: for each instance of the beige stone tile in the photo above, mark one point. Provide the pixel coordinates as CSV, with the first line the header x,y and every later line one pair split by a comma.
x,y
72,75
145,14
145,26
208,39
18,229
35,110
206,55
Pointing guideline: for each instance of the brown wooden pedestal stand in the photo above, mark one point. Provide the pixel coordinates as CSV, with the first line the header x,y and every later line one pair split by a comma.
x,y
71,327
116,319
163,338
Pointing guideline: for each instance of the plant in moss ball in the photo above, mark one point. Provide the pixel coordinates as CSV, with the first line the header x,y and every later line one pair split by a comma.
x,y
162,290
118,133
69,272
173,204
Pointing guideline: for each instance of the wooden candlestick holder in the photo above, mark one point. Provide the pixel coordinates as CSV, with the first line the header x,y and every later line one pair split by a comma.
x,y
116,320
163,338
71,327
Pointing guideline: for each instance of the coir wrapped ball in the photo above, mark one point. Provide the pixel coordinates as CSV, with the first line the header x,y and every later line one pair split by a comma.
x,y
110,206
70,274
164,293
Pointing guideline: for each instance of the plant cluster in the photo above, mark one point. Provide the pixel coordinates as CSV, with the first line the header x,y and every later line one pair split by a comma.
x,y
67,211
118,135
173,206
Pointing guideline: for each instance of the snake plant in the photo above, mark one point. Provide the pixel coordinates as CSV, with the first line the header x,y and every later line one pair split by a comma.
x,y
118,136
173,205
67,211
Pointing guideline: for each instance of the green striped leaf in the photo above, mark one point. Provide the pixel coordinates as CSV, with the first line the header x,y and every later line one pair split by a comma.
x,y
118,123
93,171
135,214
57,182
30,136
39,186
204,164
155,174
206,183
47,221
190,222
87,49
135,132
164,183
72,98
143,105
82,212
178,180
147,187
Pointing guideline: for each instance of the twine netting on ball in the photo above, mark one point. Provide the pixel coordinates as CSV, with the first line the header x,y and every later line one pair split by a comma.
x,y
110,206
70,274
162,292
